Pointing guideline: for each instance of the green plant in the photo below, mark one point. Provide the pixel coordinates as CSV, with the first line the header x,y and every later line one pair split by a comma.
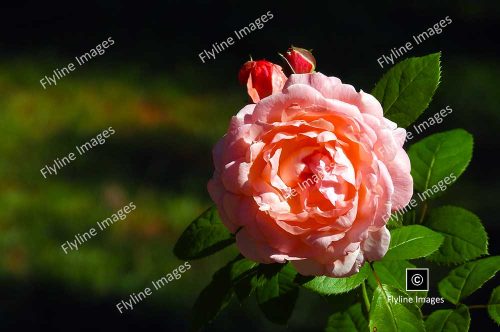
x,y
447,235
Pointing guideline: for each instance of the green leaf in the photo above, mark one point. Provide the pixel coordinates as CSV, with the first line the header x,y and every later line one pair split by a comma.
x,y
409,242
393,273
276,291
467,278
494,305
438,160
406,89
243,277
351,320
404,217
212,298
395,221
410,217
387,314
225,282
203,237
327,286
449,320
464,235
241,267
342,302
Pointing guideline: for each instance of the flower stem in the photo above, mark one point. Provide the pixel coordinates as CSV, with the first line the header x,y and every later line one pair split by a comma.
x,y
478,306
378,281
424,210
365,296
376,276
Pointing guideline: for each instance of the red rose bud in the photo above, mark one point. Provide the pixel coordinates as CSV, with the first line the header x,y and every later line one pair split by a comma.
x,y
263,78
300,60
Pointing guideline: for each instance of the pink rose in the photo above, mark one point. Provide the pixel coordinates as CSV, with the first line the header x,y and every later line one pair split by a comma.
x,y
310,175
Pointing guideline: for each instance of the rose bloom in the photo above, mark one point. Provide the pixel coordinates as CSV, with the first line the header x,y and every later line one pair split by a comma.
x,y
310,175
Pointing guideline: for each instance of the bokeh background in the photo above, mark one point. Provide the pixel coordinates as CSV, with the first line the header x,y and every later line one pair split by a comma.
x,y
168,109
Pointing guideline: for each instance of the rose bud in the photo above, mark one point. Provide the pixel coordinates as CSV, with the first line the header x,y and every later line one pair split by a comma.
x,y
301,61
263,78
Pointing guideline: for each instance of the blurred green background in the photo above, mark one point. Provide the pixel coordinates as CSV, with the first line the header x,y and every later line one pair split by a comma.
x,y
168,109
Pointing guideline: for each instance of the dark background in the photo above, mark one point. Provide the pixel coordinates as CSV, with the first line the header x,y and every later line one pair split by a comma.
x,y
168,109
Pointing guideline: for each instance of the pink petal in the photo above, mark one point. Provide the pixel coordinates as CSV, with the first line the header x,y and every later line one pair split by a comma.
x,y
376,244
